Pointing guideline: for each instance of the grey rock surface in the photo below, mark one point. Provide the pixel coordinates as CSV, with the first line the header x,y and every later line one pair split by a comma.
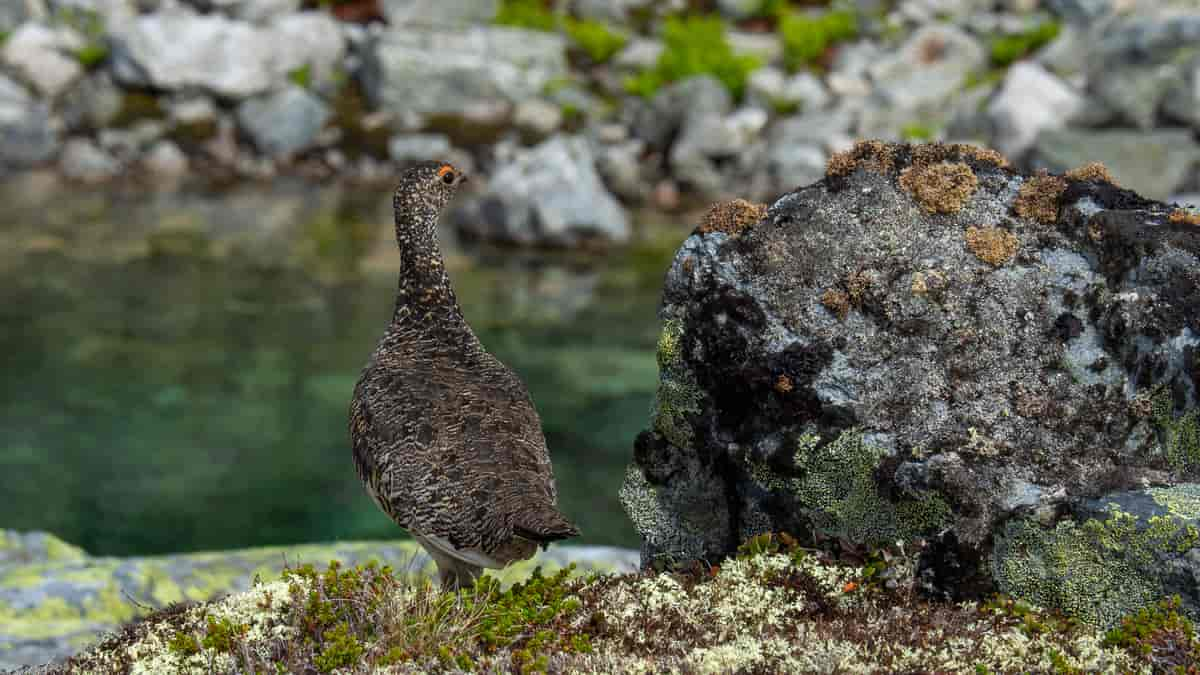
x,y
92,104
694,98
1154,163
929,68
712,149
884,356
440,71
1182,100
548,195
284,122
27,134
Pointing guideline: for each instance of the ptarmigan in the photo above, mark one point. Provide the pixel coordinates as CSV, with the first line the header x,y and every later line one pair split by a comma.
x,y
445,437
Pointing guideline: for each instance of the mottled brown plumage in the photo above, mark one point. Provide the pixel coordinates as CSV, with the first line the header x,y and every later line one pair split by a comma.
x,y
445,437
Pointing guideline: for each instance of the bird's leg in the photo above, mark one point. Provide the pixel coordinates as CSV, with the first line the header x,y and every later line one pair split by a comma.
x,y
455,575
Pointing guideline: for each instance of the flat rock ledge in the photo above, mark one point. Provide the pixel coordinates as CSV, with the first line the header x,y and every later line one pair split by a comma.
x,y
55,599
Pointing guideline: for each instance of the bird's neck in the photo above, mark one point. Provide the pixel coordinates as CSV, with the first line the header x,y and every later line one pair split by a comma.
x,y
425,299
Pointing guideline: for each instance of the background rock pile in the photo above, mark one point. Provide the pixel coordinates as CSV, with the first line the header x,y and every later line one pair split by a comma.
x,y
608,104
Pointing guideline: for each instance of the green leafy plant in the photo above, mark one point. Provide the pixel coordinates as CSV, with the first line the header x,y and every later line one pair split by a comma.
x,y
695,45
530,14
806,37
595,39
1008,49
302,76
90,25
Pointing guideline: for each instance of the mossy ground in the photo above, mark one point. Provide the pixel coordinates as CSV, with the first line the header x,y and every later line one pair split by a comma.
x,y
775,607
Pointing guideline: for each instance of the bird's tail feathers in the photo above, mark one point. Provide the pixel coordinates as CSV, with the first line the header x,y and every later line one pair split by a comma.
x,y
544,526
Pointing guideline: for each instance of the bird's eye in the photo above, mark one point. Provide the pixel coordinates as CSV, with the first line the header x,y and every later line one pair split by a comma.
x,y
448,177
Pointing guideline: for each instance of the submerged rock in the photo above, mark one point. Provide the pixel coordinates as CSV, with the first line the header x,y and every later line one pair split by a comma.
x,y
923,346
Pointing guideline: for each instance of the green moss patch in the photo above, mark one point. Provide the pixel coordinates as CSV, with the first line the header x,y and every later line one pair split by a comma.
x,y
807,37
695,45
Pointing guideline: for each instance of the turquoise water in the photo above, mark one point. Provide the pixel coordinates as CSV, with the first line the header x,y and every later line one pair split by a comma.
x,y
160,393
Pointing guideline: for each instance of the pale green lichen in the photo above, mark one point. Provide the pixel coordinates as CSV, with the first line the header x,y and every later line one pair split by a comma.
x,y
837,489
1097,571
1181,501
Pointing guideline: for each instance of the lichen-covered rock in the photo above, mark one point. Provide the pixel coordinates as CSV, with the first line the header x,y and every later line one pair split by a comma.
x,y
55,599
923,345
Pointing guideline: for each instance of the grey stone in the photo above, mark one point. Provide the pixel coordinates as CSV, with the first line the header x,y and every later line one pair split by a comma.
x,y
928,11
537,117
929,68
92,104
83,160
639,54
549,195
1154,163
1030,101
740,9
176,50
624,171
262,11
440,71
1187,200
1138,59
694,97
12,14
850,367
439,12
419,147
1182,101
314,41
165,159
616,11
285,122
793,166
699,158
27,134
1081,11
813,128
42,55
774,88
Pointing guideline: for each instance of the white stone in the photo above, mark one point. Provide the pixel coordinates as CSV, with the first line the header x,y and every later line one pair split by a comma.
x,y
312,39
165,159
82,160
44,57
1030,100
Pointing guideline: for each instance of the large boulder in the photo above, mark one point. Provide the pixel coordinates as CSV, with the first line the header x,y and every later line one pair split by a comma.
x,y
550,195
926,346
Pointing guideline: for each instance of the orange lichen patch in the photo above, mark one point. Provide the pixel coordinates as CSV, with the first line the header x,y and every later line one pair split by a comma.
x,y
1092,171
1184,217
940,188
837,302
783,384
857,284
1038,197
930,153
731,217
871,155
993,245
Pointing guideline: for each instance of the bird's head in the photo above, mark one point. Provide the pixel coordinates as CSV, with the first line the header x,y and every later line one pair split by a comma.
x,y
428,185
